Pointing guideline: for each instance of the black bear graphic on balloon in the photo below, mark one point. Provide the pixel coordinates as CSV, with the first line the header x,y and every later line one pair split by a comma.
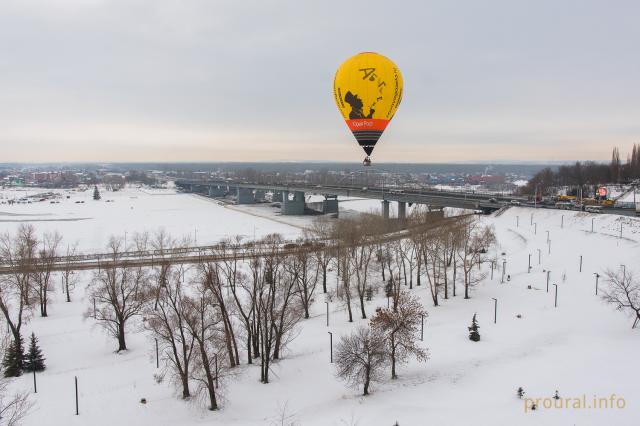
x,y
356,107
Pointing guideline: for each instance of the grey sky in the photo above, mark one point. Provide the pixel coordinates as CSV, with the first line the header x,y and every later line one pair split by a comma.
x,y
211,80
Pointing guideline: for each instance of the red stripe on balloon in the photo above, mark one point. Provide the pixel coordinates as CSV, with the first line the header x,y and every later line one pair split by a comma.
x,y
367,124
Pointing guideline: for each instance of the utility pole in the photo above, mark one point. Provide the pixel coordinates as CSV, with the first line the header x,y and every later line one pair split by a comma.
x,y
492,266
331,345
535,229
556,302
580,263
529,268
597,277
504,268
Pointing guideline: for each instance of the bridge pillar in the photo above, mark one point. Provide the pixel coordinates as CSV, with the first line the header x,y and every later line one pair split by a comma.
x,y
293,207
330,204
402,211
216,191
259,195
385,209
244,196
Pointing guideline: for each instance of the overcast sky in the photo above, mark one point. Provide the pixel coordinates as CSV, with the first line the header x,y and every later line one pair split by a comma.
x,y
183,80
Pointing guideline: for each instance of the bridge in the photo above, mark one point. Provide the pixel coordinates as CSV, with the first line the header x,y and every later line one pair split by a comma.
x,y
292,196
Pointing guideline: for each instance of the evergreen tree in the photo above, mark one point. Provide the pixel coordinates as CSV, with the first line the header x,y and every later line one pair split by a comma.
x,y
520,392
13,359
556,396
473,330
96,193
34,359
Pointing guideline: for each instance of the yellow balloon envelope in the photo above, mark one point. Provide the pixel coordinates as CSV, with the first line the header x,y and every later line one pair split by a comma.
x,y
368,90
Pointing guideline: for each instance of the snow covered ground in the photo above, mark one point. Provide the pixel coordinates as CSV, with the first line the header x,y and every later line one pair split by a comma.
x,y
134,210
582,347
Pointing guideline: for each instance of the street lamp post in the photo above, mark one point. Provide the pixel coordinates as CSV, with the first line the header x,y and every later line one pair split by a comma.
x,y
495,310
331,345
504,268
547,236
327,313
592,219
597,277
556,298
529,268
548,272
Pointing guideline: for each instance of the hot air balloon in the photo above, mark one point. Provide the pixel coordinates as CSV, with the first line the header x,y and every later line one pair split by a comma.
x,y
367,89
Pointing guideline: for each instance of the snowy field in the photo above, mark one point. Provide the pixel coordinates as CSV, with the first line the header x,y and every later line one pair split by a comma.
x,y
134,210
582,347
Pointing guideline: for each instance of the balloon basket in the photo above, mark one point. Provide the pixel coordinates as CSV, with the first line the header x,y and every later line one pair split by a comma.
x,y
366,161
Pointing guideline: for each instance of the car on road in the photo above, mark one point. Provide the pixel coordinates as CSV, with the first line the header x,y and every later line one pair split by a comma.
x,y
515,202
493,200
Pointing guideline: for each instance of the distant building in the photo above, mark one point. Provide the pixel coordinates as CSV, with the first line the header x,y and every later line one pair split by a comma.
x,y
485,180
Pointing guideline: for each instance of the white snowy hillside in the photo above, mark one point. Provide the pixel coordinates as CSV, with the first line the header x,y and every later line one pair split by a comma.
x,y
583,348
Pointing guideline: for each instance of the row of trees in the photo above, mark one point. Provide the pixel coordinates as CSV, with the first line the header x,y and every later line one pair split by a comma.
x,y
205,315
587,175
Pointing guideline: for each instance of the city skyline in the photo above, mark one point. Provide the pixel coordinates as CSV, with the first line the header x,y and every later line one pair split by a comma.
x,y
112,81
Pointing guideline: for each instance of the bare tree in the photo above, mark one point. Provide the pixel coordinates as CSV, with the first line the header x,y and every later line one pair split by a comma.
x,y
45,261
357,254
304,272
360,357
431,249
204,323
276,315
69,276
400,329
119,293
474,239
167,322
321,228
623,292
14,407
216,277
18,251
